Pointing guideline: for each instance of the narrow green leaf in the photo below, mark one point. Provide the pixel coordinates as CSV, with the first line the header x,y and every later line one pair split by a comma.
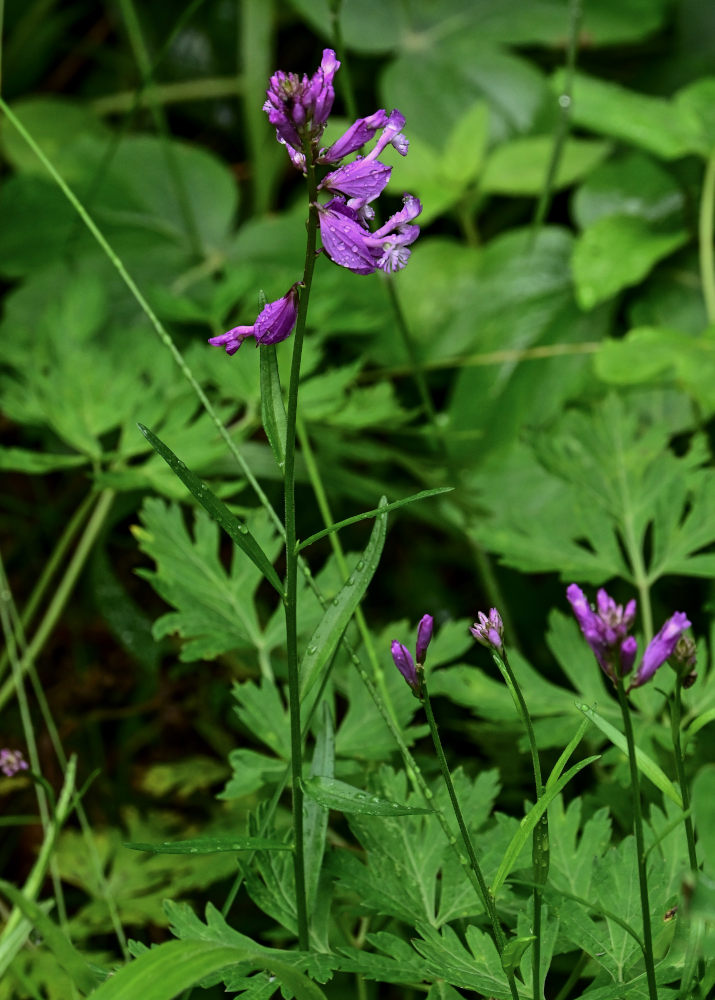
x,y
568,750
513,952
335,794
37,462
168,969
339,612
217,509
84,978
371,513
531,819
316,815
646,764
211,845
273,414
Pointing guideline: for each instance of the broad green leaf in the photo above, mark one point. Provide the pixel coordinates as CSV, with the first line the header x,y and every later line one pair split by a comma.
x,y
703,796
696,103
217,509
211,845
61,128
82,975
656,356
653,123
213,605
529,822
519,167
646,765
463,153
384,509
335,794
616,252
273,414
633,184
335,620
37,462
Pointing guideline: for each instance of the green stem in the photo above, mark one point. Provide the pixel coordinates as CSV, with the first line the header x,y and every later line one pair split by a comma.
x,y
64,590
705,233
291,587
540,837
640,843
484,891
675,717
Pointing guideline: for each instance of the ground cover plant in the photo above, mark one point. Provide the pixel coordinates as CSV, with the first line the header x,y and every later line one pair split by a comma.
x,y
358,506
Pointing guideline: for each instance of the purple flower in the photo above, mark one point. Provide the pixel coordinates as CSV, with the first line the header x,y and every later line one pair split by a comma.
x,y
12,761
606,629
424,637
273,324
299,107
489,630
349,243
661,647
365,178
403,657
404,663
355,138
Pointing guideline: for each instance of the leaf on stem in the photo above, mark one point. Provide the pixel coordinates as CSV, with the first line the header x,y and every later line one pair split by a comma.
x,y
336,794
273,414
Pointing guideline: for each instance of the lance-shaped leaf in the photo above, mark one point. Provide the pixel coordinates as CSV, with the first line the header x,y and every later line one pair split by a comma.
x,y
273,414
339,612
216,509
336,794
211,845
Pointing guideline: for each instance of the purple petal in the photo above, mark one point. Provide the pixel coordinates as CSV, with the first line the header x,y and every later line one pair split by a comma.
x,y
232,339
362,179
344,238
404,662
424,636
277,319
354,138
661,647
628,650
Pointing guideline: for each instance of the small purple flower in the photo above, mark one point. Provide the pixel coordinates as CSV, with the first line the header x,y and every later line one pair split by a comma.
x,y
606,630
404,663
273,324
365,178
11,762
424,637
355,138
489,630
661,647
348,242
298,107
403,657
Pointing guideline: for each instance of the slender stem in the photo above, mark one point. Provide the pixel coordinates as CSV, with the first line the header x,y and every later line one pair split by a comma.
x,y
564,121
291,588
484,891
705,233
640,843
675,717
64,590
540,837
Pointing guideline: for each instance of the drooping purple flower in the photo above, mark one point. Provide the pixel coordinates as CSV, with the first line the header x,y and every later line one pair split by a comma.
x,y
360,132
365,178
273,324
424,637
606,629
404,663
489,630
349,243
298,107
11,762
661,647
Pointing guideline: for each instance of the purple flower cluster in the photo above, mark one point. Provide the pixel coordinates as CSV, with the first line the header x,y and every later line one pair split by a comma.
x,y
403,657
489,630
606,629
11,762
298,108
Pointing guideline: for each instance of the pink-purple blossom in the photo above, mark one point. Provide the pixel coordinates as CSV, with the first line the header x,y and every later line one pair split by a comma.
x,y
606,628
12,762
489,629
298,107
273,324
349,243
402,657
